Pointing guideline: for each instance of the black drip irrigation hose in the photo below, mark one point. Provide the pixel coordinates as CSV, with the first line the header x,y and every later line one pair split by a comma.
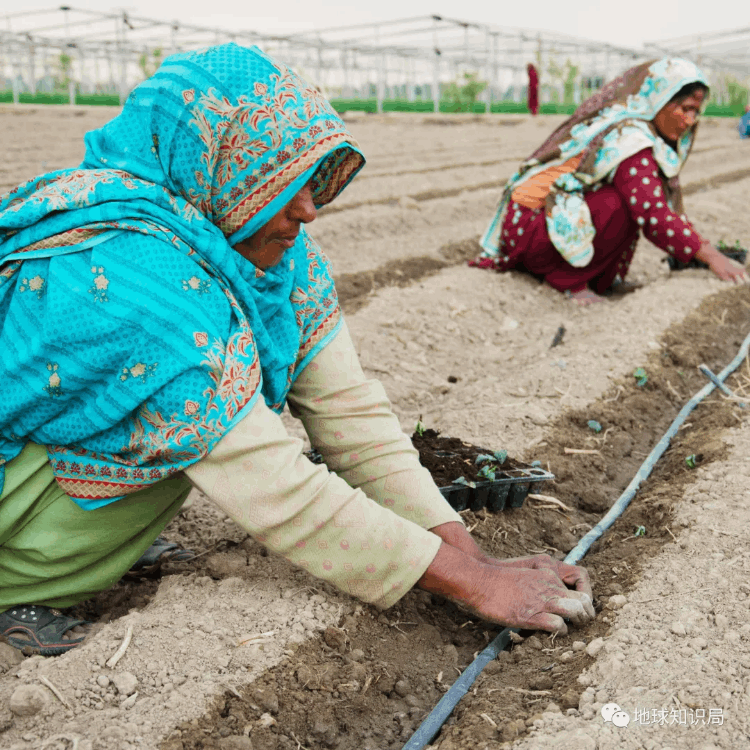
x,y
429,728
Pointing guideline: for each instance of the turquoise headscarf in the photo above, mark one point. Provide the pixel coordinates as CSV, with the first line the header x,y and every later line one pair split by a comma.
x,y
132,335
605,130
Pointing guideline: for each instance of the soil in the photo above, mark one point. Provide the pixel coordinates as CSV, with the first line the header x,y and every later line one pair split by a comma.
x,y
239,650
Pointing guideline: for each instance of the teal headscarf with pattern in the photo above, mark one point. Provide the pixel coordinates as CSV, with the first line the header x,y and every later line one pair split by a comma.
x,y
606,129
132,335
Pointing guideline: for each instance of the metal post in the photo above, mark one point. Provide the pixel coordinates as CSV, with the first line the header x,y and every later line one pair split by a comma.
x,y
319,68
381,82
488,65
32,70
345,89
435,69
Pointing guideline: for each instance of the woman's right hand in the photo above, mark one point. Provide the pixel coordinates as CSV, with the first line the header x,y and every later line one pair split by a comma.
x,y
725,268
533,599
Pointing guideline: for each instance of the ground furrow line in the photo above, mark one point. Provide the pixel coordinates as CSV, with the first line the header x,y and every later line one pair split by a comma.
x,y
708,183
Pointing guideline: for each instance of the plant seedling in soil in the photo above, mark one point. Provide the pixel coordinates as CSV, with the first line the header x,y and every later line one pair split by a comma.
x,y
466,482
691,461
721,245
594,425
420,428
491,462
487,472
640,531
641,376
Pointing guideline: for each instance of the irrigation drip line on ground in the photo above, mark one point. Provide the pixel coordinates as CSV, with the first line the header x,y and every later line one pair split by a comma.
x,y
429,728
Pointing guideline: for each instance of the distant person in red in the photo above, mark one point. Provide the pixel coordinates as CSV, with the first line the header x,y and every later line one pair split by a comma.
x,y
573,212
533,95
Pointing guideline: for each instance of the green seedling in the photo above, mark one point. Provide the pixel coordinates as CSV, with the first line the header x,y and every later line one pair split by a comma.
x,y
594,425
691,461
640,531
484,458
641,376
420,428
721,245
465,482
487,472
500,456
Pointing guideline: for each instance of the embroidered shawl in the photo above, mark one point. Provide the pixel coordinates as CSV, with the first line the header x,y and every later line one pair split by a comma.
x,y
132,335
607,128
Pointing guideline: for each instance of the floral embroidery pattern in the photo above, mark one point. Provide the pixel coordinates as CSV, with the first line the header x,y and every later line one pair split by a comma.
x,y
101,283
261,134
139,371
53,386
34,284
196,284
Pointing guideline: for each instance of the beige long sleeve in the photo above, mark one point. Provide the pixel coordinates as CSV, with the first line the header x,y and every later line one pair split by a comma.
x,y
259,477
349,420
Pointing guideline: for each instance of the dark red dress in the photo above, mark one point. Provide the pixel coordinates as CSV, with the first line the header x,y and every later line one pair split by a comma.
x,y
633,202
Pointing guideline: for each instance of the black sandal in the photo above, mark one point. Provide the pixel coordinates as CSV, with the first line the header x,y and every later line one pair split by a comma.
x,y
43,626
159,552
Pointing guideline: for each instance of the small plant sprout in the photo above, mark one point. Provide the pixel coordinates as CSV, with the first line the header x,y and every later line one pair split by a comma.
x,y
594,425
420,428
490,463
640,531
721,245
691,461
487,472
484,458
465,482
641,376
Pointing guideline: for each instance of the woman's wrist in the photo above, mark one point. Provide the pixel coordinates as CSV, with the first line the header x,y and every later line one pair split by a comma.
x,y
456,535
455,575
706,252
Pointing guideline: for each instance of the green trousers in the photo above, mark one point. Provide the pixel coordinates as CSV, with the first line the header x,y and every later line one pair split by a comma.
x,y
52,552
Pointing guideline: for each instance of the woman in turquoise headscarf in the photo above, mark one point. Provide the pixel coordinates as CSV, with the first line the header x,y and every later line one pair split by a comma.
x,y
573,212
159,306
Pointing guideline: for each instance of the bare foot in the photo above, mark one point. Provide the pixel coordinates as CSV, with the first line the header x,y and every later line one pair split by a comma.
x,y
584,298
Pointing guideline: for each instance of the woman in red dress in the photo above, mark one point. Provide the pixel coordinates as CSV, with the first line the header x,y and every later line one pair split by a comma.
x,y
573,212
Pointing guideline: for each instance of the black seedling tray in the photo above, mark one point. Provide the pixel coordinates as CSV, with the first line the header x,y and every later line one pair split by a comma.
x,y
737,255
508,491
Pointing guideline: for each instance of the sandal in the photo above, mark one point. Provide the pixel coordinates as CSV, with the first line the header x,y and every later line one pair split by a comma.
x,y
159,552
42,627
